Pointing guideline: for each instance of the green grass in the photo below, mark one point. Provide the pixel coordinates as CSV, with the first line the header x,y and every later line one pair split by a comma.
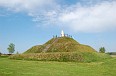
x,y
9,67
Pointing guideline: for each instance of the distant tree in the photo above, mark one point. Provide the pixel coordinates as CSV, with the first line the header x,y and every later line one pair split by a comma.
x,y
0,53
11,48
56,36
17,52
102,50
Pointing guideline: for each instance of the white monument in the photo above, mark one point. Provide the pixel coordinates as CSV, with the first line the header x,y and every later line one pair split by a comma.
x,y
62,33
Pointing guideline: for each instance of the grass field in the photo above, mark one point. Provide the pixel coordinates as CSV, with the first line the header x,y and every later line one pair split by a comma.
x,y
10,67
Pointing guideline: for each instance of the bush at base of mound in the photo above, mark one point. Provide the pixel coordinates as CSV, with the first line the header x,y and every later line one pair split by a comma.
x,y
63,56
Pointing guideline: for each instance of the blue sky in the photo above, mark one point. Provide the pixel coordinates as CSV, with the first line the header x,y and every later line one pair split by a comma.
x,y
33,22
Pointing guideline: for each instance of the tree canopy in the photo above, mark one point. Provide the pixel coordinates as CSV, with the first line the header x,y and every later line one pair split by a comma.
x,y
11,48
102,50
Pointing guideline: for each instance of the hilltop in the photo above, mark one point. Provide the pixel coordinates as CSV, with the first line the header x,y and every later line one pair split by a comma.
x,y
61,44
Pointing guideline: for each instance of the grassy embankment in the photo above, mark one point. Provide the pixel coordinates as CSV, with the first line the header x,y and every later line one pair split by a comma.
x,y
63,56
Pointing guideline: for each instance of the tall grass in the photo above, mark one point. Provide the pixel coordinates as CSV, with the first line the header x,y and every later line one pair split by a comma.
x,y
63,56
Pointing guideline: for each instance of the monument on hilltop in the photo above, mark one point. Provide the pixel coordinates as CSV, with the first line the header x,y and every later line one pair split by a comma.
x,y
62,33
65,35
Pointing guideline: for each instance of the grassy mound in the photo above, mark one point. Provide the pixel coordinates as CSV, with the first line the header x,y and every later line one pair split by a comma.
x,y
62,49
63,56
61,44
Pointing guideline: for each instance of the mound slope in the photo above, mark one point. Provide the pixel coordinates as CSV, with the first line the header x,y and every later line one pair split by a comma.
x,y
61,44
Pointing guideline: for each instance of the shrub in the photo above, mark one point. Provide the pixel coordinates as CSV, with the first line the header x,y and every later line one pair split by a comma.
x,y
102,50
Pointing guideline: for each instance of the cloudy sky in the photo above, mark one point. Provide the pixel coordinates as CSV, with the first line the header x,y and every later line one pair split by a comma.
x,y
33,22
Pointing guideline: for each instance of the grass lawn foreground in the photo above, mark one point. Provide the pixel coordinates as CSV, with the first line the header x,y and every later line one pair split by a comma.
x,y
9,67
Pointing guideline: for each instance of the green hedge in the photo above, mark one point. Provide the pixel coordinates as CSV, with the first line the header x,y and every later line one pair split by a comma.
x,y
62,56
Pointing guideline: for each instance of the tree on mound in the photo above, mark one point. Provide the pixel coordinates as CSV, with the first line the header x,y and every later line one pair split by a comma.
x,y
61,44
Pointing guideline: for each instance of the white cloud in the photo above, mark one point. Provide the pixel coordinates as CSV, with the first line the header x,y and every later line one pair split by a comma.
x,y
95,17
25,5
40,10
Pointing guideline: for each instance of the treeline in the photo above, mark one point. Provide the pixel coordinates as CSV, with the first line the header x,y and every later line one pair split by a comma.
x,y
111,53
